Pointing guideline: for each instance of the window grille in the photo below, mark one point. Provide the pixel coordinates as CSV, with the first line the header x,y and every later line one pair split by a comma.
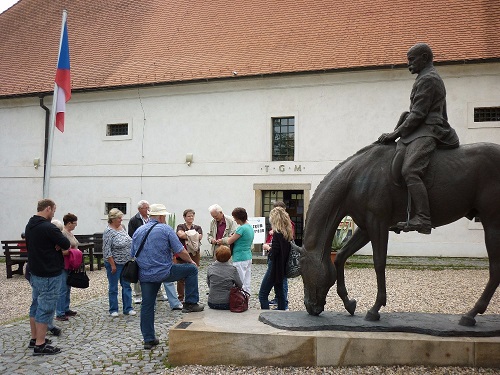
x,y
121,206
486,114
116,129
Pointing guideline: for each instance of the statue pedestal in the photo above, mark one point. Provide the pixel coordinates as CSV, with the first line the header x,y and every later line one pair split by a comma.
x,y
217,337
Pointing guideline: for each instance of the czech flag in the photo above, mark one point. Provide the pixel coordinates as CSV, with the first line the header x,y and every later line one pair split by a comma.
x,y
63,79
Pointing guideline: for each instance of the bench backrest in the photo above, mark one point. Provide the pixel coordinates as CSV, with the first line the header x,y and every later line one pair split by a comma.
x,y
13,246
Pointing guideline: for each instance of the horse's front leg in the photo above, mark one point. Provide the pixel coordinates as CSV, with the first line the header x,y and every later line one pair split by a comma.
x,y
379,236
357,241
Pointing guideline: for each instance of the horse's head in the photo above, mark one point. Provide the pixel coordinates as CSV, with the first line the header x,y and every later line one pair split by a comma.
x,y
319,275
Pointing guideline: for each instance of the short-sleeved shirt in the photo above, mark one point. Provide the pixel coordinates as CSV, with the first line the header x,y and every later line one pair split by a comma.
x,y
155,259
116,244
242,249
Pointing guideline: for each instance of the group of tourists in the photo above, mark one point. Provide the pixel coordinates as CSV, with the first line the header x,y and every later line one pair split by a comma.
x,y
165,257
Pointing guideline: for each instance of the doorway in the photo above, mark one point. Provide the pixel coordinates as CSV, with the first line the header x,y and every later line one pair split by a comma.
x,y
294,201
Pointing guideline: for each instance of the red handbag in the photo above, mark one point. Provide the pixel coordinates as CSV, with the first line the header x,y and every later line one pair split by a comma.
x,y
238,300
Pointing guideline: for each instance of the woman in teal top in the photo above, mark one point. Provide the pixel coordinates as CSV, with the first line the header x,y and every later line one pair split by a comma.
x,y
242,250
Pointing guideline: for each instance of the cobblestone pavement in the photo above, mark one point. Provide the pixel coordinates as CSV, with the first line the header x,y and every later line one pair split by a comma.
x,y
94,343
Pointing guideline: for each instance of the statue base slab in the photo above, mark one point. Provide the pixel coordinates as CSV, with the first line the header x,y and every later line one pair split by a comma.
x,y
215,337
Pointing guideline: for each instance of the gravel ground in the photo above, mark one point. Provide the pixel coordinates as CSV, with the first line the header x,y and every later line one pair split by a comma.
x,y
441,291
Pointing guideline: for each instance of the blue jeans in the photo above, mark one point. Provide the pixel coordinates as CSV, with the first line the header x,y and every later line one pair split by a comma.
x,y
285,291
113,289
186,271
64,298
171,292
45,293
265,288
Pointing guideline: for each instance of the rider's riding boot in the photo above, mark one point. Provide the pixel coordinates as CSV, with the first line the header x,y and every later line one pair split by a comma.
x,y
421,222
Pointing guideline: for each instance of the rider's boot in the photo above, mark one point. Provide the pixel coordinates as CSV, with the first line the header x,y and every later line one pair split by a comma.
x,y
421,222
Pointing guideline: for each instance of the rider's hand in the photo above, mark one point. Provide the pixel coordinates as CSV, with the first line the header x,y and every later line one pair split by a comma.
x,y
388,137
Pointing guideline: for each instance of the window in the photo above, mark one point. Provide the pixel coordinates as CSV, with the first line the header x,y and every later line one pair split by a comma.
x,y
120,205
283,138
486,114
116,129
482,115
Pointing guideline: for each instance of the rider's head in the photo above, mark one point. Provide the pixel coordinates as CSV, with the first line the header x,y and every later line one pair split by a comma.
x,y
419,57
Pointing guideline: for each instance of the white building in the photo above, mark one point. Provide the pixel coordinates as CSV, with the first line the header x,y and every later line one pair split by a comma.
x,y
189,143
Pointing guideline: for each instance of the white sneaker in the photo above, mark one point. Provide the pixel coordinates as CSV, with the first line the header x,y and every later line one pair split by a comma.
x,y
137,300
162,298
131,312
114,314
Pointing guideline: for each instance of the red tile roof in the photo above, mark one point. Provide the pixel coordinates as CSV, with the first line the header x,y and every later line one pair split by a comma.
x,y
123,42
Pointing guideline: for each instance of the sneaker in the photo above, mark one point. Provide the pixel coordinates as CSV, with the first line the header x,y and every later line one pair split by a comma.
x,y
149,344
137,300
55,331
33,343
273,302
180,307
131,312
46,350
192,307
114,314
162,298
71,313
62,318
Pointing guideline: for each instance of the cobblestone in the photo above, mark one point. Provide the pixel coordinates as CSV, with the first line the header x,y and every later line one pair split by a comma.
x,y
94,343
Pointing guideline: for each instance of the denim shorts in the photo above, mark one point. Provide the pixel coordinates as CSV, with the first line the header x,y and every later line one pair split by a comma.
x,y
45,293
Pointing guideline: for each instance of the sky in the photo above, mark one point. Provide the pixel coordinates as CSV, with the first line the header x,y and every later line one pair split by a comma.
x,y
5,4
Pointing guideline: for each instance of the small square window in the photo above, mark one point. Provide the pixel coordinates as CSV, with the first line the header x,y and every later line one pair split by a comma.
x,y
116,130
120,205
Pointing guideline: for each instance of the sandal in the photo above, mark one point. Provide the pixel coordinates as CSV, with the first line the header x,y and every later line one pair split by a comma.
x,y
46,350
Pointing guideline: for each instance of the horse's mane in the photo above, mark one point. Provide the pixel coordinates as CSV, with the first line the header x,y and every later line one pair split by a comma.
x,y
362,151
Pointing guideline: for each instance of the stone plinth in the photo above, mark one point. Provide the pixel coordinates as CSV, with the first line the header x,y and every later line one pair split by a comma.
x,y
224,338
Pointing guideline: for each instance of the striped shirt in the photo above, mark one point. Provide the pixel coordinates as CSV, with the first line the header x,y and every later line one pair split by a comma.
x,y
116,244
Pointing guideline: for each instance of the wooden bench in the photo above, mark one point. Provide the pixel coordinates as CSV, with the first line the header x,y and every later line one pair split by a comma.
x,y
91,246
15,253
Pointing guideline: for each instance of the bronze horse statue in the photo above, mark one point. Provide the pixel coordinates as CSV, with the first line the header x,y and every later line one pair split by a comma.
x,y
463,182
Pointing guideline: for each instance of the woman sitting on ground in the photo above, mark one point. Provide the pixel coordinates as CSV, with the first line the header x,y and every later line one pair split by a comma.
x,y
221,276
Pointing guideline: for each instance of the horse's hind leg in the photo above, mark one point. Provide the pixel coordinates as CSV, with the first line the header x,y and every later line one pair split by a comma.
x,y
357,241
492,238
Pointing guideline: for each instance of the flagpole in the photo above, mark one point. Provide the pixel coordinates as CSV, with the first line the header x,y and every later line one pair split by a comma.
x,y
48,162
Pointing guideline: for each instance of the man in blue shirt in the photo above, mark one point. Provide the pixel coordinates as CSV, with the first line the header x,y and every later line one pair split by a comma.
x,y
156,266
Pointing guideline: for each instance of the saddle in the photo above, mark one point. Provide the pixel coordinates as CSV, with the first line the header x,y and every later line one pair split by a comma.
x,y
397,165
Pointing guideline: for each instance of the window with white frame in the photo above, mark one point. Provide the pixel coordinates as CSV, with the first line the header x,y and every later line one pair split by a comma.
x,y
283,133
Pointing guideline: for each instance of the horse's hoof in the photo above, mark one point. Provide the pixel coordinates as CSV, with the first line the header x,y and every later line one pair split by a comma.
x,y
351,306
372,316
467,321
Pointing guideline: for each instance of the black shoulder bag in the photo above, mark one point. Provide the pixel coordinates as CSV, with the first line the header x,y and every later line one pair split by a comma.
x,y
130,270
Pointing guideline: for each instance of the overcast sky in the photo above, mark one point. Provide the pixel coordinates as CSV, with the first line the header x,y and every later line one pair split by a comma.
x,y
4,4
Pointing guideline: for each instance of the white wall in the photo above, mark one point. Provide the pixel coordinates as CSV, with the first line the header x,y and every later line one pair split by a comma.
x,y
226,125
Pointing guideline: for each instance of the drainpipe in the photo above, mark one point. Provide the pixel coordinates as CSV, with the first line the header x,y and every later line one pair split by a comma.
x,y
46,145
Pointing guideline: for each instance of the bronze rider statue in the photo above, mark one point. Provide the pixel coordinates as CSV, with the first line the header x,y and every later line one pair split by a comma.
x,y
420,131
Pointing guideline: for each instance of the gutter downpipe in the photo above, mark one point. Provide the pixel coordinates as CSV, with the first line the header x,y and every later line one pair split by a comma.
x,y
46,144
